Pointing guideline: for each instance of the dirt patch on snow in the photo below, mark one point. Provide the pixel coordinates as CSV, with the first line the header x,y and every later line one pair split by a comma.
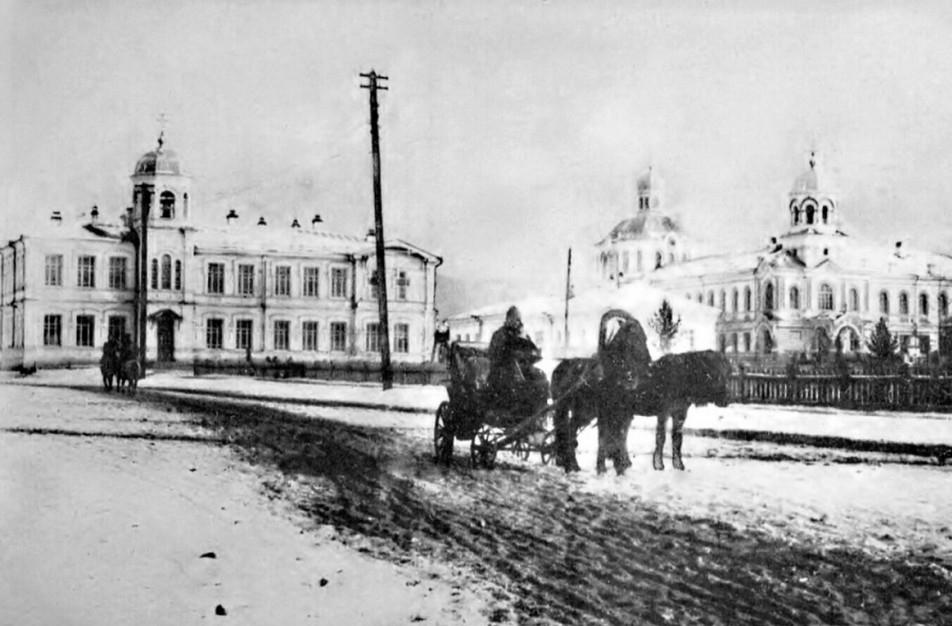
x,y
582,549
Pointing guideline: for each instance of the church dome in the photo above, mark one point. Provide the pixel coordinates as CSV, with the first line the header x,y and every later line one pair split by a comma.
x,y
649,182
645,225
158,161
808,181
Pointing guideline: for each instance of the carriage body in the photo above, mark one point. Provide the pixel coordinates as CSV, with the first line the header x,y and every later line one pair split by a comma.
x,y
472,412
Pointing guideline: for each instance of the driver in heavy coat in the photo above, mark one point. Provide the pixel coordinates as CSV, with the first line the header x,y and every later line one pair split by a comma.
x,y
514,381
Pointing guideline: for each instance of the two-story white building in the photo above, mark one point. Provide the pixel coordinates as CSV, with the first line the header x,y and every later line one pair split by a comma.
x,y
247,288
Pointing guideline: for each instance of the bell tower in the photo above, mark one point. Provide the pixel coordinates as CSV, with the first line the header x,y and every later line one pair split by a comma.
x,y
158,180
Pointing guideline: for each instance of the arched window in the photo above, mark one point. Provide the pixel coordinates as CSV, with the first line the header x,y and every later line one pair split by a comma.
x,y
734,342
943,305
825,212
826,297
700,297
924,305
167,205
747,299
796,212
854,300
710,298
884,302
810,210
722,342
735,300
166,282
794,298
903,303
766,343
178,275
723,301
768,297
657,260
154,283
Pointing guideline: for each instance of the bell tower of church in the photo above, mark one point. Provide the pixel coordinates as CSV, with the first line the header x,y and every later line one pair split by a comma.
x,y
158,180
812,206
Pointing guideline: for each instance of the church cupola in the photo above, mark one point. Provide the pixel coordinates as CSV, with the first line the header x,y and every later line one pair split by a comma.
x,y
650,190
158,182
811,205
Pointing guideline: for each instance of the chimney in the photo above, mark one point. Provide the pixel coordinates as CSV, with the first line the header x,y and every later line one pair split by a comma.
x,y
231,217
898,248
317,219
127,217
371,235
94,214
56,218
261,221
295,223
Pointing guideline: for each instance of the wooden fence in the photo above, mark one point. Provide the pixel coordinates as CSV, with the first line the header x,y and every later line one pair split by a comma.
x,y
350,371
894,392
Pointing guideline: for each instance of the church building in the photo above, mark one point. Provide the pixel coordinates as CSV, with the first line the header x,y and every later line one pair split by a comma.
x,y
246,289
813,289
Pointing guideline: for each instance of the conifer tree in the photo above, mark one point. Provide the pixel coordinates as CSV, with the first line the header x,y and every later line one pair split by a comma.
x,y
665,325
882,345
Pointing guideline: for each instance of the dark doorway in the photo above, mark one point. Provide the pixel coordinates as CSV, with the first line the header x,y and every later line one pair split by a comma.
x,y
165,331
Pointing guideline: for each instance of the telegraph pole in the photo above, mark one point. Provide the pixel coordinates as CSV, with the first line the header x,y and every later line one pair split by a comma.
x,y
568,296
386,372
145,200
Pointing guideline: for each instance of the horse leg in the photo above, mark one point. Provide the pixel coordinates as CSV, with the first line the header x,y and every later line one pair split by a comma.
x,y
678,417
621,457
658,458
604,441
565,440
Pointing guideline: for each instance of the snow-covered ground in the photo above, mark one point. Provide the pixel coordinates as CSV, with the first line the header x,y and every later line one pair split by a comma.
x,y
106,507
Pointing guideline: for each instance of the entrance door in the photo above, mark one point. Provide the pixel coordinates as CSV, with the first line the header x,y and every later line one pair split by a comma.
x,y
166,339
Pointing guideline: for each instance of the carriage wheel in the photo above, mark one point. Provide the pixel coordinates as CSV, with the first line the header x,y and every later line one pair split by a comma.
x,y
443,434
521,449
482,450
547,449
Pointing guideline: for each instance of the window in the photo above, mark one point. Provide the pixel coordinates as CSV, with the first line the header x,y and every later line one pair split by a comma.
x,y
216,278
723,300
722,343
282,280
734,342
923,305
86,275
401,338
117,327
657,260
243,334
167,205
700,297
166,272
826,297
402,283
884,303
746,342
154,283
246,280
84,330
854,300
925,347
810,210
372,284
768,297
282,335
338,336
54,270
747,299
710,298
735,300
178,275
903,303
338,282
794,298
309,332
117,272
373,337
310,282
52,330
214,333
943,305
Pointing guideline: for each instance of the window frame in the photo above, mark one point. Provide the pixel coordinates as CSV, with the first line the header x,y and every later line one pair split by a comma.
x,y
338,336
244,340
401,340
338,283
246,280
86,272
282,281
214,333
49,327
85,325
310,330
311,282
53,272
281,334
215,277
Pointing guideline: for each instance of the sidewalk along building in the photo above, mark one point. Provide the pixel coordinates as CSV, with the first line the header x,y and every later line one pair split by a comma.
x,y
246,289
815,289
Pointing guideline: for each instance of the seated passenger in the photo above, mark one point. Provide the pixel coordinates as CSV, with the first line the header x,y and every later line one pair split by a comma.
x,y
514,382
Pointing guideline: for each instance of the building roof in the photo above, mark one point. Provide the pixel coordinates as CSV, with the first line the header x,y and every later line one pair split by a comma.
x,y
158,161
651,223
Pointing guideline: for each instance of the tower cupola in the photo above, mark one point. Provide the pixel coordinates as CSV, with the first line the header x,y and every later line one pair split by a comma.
x,y
158,182
650,190
811,202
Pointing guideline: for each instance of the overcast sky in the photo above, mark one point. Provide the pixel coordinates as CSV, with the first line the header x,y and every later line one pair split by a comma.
x,y
511,130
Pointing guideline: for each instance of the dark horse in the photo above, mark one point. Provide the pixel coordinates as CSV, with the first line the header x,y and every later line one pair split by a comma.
x,y
606,386
621,382
109,363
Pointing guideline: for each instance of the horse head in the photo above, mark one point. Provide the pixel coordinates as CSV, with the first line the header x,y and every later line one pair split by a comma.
x,y
623,348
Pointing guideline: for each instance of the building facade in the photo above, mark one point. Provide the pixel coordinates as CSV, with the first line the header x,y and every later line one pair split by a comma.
x,y
247,289
815,289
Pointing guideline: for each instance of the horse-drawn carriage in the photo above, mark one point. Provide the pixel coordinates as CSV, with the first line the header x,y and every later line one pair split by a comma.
x,y
475,413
